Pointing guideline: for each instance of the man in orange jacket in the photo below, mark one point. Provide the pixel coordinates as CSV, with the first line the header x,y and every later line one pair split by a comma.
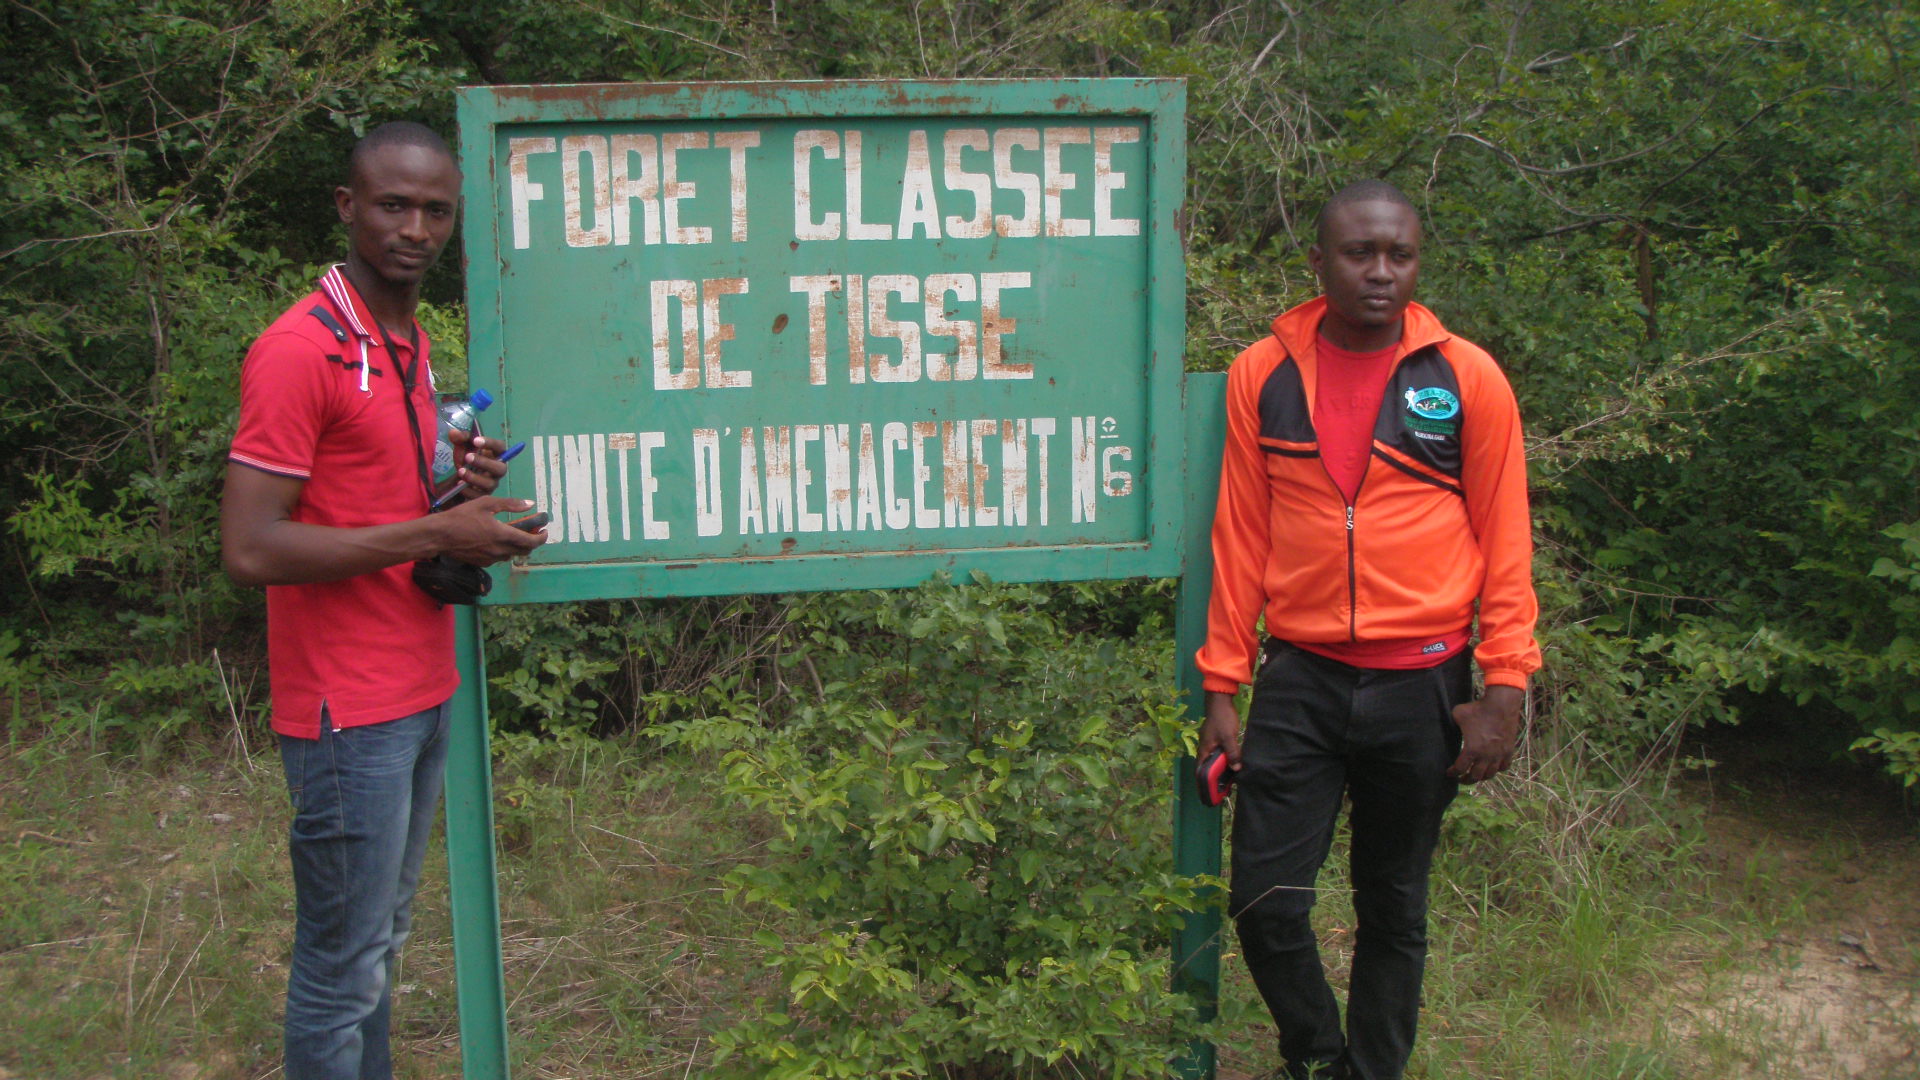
x,y
1372,497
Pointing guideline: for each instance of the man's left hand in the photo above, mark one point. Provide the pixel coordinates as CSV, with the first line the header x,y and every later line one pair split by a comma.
x,y
1489,728
480,464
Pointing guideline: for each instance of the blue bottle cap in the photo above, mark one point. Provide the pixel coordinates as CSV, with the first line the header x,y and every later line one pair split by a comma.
x,y
481,399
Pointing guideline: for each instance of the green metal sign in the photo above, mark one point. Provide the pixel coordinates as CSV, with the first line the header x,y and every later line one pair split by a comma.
x,y
781,337
777,337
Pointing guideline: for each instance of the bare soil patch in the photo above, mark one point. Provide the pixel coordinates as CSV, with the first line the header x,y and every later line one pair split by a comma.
x,y
1830,851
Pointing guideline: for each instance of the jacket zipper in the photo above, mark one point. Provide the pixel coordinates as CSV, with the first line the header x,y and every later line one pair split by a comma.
x,y
1353,588
1353,598
1353,593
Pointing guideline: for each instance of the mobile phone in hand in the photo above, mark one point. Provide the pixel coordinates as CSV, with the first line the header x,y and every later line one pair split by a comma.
x,y
1215,778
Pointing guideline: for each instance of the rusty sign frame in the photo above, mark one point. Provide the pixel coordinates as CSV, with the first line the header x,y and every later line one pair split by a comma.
x,y
1157,104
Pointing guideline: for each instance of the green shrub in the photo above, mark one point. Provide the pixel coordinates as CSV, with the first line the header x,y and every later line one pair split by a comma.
x,y
971,844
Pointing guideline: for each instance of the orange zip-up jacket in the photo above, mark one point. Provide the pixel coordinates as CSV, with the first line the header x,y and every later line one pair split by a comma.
x,y
1440,521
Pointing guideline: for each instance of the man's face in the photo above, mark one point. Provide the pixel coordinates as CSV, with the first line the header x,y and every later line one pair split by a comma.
x,y
1368,260
399,210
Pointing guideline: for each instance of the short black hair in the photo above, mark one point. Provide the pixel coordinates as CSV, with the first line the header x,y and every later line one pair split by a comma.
x,y
396,133
1360,191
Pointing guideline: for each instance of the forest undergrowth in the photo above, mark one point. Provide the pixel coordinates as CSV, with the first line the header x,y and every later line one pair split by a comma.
x,y
1743,920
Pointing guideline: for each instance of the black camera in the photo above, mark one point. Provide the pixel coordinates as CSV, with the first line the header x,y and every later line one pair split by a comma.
x,y
451,581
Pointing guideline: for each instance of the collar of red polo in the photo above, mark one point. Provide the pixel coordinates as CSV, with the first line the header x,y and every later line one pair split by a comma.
x,y
346,300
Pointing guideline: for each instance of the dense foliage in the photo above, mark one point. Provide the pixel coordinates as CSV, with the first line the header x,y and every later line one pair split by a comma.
x,y
1684,226
972,836
1681,225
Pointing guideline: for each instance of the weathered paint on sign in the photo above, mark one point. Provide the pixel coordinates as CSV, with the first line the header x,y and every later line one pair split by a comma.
x,y
829,335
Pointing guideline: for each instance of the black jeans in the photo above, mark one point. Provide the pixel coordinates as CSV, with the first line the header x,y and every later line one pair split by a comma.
x,y
1318,728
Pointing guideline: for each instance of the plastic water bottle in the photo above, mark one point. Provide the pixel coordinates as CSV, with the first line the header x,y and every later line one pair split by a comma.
x,y
463,415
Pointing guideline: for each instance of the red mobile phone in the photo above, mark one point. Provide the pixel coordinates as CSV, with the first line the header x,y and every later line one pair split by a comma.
x,y
1215,778
532,522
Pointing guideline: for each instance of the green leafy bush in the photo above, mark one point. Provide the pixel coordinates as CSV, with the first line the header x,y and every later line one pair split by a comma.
x,y
970,844
601,667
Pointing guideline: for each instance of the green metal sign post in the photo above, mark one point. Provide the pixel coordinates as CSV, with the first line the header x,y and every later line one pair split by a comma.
x,y
782,337
1196,826
479,976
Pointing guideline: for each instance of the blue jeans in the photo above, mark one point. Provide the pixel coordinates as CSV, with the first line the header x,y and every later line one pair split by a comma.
x,y
364,801
1320,732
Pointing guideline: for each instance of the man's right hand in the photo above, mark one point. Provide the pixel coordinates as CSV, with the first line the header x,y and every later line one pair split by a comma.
x,y
472,534
1221,729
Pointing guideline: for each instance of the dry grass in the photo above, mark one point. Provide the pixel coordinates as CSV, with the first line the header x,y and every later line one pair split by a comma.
x,y
145,919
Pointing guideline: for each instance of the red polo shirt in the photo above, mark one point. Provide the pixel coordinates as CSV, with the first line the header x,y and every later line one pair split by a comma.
x,y
370,648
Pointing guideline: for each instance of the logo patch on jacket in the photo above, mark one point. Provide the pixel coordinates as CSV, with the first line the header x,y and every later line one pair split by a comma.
x,y
1431,411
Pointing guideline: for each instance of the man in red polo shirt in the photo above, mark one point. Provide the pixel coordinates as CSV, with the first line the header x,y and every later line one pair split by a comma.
x,y
327,505
1373,505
